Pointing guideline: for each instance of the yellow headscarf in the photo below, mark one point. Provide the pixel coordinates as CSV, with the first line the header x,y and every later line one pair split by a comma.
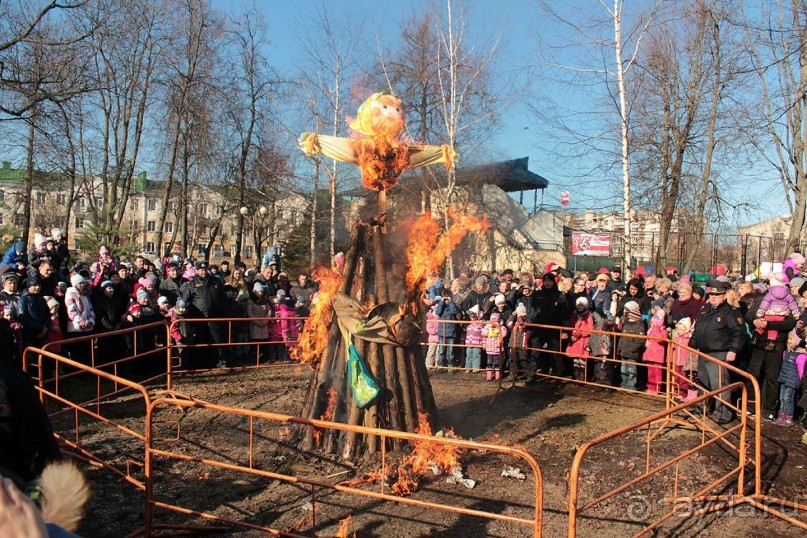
x,y
364,119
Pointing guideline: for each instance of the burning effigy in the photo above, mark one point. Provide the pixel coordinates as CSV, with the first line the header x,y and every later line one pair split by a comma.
x,y
363,336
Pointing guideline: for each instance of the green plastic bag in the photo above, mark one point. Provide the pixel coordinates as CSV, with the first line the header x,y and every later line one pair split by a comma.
x,y
364,387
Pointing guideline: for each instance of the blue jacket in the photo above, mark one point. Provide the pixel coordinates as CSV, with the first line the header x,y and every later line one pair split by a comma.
x,y
447,310
12,258
789,374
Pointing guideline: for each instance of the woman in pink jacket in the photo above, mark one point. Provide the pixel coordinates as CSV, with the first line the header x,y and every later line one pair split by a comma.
x,y
580,348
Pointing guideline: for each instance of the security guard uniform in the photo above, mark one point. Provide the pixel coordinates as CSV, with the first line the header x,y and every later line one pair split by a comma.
x,y
719,330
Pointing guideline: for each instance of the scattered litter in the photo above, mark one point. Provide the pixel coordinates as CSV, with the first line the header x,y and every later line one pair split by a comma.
x,y
514,472
457,477
435,469
799,466
308,506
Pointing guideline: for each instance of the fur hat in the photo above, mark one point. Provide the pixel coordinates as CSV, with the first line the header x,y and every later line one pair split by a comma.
x,y
581,301
632,306
499,299
56,233
52,303
77,279
521,310
258,287
162,300
686,322
796,258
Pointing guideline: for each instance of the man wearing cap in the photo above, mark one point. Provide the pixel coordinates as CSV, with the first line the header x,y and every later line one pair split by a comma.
x,y
203,299
10,294
548,307
617,284
719,333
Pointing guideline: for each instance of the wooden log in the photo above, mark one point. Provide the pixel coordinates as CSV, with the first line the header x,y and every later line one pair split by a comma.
x,y
405,381
354,414
371,418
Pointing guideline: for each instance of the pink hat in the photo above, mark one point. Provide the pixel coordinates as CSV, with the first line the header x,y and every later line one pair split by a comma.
x,y
797,258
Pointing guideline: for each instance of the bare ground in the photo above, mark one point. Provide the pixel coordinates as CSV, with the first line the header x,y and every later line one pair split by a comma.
x,y
551,422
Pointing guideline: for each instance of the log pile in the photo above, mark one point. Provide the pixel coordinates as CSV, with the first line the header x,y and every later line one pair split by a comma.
x,y
405,390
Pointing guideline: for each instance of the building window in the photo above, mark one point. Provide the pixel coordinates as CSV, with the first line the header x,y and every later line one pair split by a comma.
x,y
2,220
232,247
204,230
150,247
152,204
40,198
2,195
166,246
151,226
248,251
133,204
203,210
200,248
79,223
133,225
99,201
169,227
19,220
75,244
81,204
61,199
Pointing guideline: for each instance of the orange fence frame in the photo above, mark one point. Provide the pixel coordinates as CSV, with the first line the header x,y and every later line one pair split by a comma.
x,y
151,452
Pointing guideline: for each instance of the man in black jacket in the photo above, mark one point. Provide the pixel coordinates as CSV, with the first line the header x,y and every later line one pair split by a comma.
x,y
719,333
548,307
203,296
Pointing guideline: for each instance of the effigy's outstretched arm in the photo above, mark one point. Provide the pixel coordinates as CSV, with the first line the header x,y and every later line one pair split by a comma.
x,y
426,155
334,147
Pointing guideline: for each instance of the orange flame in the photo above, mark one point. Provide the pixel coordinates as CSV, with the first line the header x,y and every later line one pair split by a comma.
x,y
314,336
343,525
381,160
443,456
425,253
328,414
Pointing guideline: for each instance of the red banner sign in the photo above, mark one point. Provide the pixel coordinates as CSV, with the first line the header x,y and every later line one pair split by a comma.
x,y
584,244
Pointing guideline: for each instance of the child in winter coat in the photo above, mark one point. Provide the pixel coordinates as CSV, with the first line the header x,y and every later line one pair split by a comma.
x,y
473,339
630,349
277,347
601,347
288,326
684,361
579,348
431,329
520,338
180,332
790,376
653,354
16,331
259,308
494,335
776,305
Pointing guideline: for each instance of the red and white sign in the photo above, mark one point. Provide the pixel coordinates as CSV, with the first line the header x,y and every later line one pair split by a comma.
x,y
584,244
564,198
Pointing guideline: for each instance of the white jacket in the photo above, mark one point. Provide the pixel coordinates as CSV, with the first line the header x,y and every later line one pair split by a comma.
x,y
79,310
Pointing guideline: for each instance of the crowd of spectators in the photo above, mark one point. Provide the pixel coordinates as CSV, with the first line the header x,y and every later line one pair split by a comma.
x,y
757,326
46,297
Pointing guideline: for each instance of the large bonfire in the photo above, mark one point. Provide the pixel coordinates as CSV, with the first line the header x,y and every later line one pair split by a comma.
x,y
364,339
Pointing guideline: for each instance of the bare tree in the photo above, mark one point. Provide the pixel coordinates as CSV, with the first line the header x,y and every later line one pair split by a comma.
x,y
777,43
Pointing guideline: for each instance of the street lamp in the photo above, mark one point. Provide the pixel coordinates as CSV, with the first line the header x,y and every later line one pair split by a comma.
x,y
256,239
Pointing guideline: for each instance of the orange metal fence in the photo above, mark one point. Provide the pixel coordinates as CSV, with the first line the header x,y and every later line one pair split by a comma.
x,y
641,510
251,467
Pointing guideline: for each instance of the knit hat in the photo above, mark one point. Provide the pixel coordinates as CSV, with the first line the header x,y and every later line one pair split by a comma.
x,y
52,303
8,308
581,301
798,282
144,282
56,233
20,246
259,288
521,310
10,276
796,258
465,270
480,281
106,284
499,299
142,293
39,240
699,291
162,300
281,294
474,310
135,307
686,322
657,303
776,279
551,266
75,280
632,306
180,304
31,281
103,250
